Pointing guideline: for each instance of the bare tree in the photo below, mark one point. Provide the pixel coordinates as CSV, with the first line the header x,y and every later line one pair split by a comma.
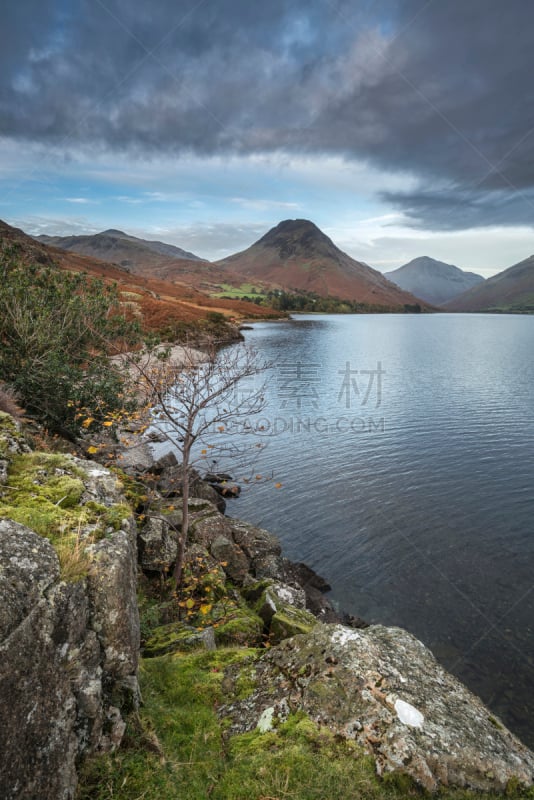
x,y
201,401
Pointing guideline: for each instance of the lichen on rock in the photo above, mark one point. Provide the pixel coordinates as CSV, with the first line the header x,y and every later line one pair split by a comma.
x,y
383,689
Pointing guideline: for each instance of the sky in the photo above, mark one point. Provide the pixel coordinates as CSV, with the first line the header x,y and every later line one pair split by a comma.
x,y
400,127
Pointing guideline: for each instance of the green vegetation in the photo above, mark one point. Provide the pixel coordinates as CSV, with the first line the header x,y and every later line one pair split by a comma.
x,y
43,492
302,301
176,749
54,329
247,291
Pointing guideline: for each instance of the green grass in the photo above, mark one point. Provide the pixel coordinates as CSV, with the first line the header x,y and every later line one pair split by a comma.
x,y
43,493
175,749
238,292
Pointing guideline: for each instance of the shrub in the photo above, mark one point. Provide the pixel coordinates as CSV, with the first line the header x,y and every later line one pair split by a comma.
x,y
54,327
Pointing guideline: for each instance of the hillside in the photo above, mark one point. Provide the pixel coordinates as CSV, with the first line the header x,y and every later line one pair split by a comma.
x,y
111,242
433,281
150,259
160,305
297,255
511,290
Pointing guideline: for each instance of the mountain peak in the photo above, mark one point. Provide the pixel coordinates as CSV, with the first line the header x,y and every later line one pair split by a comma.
x,y
433,281
298,237
113,232
297,255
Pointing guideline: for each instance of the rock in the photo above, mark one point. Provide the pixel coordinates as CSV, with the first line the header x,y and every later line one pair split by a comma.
x,y
158,546
217,477
68,651
289,621
206,524
28,567
227,489
275,597
112,589
384,689
270,567
100,485
238,627
255,542
135,458
4,463
178,637
165,462
231,557
170,485
281,608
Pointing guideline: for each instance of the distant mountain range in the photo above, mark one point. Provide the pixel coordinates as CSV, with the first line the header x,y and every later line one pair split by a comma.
x,y
161,305
433,281
297,256
116,246
294,256
151,259
511,290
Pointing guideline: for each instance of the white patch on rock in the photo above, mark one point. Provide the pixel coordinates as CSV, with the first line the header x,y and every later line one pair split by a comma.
x,y
343,635
408,714
265,722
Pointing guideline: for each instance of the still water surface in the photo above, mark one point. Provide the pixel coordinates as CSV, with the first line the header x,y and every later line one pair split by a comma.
x,y
405,446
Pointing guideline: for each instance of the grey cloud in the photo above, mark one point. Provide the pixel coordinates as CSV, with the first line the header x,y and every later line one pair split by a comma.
x,y
443,90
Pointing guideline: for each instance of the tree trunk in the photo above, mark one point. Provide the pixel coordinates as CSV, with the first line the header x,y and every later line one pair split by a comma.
x,y
178,567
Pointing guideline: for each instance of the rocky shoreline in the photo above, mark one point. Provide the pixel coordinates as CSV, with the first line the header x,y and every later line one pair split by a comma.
x,y
72,630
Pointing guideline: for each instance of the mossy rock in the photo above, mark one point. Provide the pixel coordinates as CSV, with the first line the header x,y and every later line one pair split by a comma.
x,y
11,439
242,627
177,637
290,621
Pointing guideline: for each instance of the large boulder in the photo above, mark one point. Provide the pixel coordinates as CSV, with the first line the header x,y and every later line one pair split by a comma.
x,y
384,689
158,546
68,648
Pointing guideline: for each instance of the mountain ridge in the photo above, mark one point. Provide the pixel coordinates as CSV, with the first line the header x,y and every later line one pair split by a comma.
x,y
434,281
511,290
298,256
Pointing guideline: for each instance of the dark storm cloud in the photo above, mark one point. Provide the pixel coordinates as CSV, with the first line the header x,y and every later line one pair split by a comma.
x,y
443,90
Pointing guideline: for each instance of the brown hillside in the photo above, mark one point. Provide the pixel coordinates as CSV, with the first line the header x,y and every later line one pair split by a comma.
x,y
297,255
158,303
511,290
146,258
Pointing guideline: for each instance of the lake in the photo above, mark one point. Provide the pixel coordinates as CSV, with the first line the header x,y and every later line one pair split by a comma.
x,y
405,449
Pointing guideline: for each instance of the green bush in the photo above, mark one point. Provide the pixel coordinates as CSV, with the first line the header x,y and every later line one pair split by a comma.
x,y
54,326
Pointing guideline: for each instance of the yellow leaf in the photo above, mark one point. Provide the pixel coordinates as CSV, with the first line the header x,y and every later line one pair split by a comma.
x,y
107,424
203,452
277,485
87,422
205,608
92,449
190,603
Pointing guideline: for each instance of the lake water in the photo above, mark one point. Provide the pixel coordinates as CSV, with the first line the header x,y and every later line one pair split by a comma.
x,y
405,449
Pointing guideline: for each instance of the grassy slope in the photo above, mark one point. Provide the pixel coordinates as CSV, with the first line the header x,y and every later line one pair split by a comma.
x,y
175,750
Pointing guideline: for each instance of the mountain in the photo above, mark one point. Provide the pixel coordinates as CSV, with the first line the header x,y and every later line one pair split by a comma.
x,y
296,255
433,281
511,290
147,258
140,256
156,246
161,305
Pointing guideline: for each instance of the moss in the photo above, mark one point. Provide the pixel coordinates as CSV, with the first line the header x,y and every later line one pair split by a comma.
x,y
8,433
246,682
175,749
289,621
172,638
241,626
44,493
